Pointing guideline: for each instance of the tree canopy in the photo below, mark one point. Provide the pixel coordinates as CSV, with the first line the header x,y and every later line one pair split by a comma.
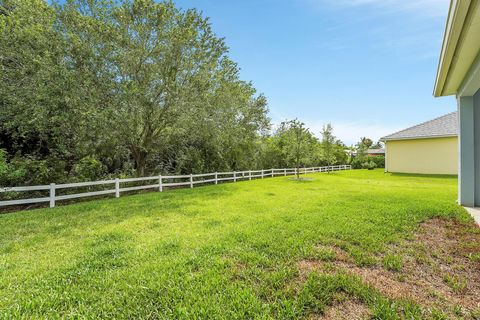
x,y
92,88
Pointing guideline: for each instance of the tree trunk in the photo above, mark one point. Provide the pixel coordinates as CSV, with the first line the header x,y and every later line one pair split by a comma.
x,y
140,158
140,164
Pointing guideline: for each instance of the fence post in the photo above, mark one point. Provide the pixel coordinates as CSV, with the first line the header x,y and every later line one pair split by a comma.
x,y
191,181
117,188
216,177
234,176
262,173
249,174
52,195
160,185
285,172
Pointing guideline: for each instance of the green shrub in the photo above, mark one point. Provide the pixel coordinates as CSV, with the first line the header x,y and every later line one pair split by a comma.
x,y
31,171
89,168
356,163
4,167
9,175
370,165
379,161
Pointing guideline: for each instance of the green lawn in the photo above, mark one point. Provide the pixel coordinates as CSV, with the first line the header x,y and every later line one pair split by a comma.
x,y
227,251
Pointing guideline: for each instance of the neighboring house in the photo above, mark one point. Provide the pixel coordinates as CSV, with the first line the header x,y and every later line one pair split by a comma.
x,y
428,148
370,152
376,152
459,74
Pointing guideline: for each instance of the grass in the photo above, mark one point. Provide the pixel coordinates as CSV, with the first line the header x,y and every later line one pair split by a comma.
x,y
456,283
226,251
393,262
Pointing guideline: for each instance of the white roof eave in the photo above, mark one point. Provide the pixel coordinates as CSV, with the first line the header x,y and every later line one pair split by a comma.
x,y
386,139
459,47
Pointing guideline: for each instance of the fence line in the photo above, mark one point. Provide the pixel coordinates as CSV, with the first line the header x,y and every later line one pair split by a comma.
x,y
160,184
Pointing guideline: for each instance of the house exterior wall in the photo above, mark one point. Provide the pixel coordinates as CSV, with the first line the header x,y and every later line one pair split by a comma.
x,y
424,156
469,152
476,106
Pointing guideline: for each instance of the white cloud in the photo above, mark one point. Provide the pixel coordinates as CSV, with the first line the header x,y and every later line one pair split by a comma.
x,y
406,29
417,7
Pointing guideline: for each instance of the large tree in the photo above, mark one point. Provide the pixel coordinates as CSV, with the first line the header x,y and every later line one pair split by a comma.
x,y
133,82
169,71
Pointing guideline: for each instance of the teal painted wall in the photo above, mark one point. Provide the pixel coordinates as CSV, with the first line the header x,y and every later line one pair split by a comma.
x,y
469,150
467,174
476,107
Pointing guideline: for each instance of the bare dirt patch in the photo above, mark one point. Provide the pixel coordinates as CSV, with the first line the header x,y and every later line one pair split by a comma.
x,y
440,262
439,267
345,310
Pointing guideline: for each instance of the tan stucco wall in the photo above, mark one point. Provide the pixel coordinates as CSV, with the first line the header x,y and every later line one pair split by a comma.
x,y
427,156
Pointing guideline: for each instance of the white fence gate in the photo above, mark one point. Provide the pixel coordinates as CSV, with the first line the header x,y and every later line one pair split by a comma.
x,y
159,182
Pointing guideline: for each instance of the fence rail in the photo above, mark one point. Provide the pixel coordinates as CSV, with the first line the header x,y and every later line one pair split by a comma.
x,y
161,183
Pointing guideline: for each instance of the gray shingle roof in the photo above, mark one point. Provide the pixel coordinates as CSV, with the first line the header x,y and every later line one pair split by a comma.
x,y
376,151
444,126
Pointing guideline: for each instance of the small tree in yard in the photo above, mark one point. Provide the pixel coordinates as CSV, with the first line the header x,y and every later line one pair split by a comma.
x,y
297,142
361,153
328,145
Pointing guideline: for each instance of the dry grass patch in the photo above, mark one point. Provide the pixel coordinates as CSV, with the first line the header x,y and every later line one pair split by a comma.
x,y
439,262
344,310
438,269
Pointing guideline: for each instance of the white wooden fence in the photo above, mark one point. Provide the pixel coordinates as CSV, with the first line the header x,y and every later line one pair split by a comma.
x,y
159,182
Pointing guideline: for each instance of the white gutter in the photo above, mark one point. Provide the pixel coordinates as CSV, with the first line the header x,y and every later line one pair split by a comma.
x,y
453,29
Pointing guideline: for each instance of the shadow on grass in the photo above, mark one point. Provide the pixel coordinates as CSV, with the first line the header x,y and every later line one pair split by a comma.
x,y
66,217
419,175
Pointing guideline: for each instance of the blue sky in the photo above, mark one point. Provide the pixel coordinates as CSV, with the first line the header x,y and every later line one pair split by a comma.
x,y
366,66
